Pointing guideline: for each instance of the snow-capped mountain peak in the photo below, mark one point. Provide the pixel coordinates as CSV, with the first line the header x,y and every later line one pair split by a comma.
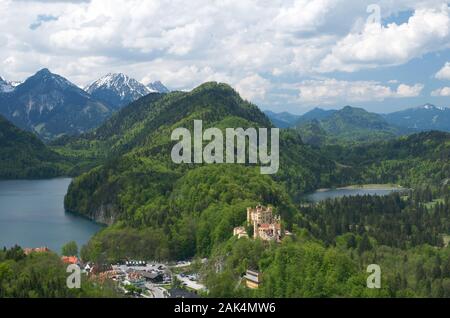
x,y
6,86
117,89
431,107
118,82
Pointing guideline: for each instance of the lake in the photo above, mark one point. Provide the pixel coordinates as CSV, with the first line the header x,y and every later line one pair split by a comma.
x,y
341,192
32,215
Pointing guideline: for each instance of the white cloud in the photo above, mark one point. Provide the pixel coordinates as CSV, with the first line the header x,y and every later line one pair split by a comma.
x,y
256,46
404,90
444,72
304,15
444,91
253,87
331,91
427,30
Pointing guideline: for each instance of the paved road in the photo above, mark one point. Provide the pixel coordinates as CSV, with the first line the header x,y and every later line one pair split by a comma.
x,y
191,284
156,291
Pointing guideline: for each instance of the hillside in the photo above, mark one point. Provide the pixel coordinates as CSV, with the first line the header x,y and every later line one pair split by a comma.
x,y
349,124
419,159
23,155
140,188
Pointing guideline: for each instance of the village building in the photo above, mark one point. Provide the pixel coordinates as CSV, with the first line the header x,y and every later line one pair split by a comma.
x,y
28,251
252,279
70,260
154,277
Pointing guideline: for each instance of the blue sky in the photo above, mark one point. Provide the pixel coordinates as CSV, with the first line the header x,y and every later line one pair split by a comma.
x,y
283,55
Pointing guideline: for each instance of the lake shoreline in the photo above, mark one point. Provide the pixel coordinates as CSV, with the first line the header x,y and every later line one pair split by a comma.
x,y
374,186
32,214
352,190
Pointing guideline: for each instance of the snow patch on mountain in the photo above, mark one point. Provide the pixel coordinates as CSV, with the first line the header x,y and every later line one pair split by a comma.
x,y
118,89
120,83
6,86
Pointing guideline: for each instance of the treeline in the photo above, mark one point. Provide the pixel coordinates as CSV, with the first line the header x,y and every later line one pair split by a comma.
x,y
23,155
302,266
397,220
298,267
416,160
43,275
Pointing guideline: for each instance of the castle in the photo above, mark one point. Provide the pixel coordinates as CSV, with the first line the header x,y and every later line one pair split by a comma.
x,y
266,226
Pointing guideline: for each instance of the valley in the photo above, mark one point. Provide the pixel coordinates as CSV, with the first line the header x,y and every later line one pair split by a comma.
x,y
155,209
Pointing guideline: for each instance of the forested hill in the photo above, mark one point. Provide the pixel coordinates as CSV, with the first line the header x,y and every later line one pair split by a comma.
x,y
348,125
419,159
23,155
185,208
130,128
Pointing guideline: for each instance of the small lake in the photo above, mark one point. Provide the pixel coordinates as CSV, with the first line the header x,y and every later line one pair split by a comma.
x,y
338,193
32,215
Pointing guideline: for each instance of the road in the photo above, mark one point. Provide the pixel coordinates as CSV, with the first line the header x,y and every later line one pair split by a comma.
x,y
191,284
156,291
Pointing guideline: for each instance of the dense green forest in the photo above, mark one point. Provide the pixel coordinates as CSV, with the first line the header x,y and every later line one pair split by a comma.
x,y
159,210
43,275
420,159
302,266
197,206
406,233
395,220
23,155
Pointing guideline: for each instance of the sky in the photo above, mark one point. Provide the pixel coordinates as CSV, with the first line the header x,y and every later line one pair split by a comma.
x,y
282,55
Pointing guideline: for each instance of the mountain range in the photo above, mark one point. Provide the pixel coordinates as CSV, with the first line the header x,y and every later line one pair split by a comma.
x,y
118,90
51,106
356,124
421,118
350,124
426,117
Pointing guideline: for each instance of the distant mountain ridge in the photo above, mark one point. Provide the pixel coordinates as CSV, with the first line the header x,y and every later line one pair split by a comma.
x,y
118,89
50,105
157,87
316,114
282,120
426,117
349,124
288,120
